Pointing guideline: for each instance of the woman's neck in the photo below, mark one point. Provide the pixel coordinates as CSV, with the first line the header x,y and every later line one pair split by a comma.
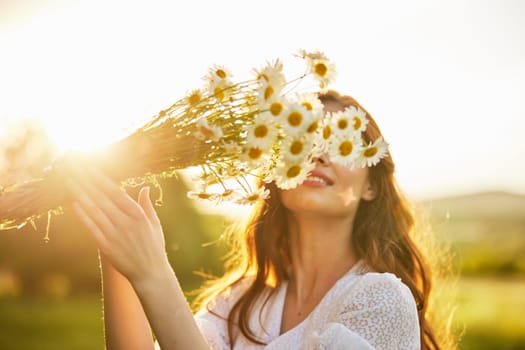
x,y
321,252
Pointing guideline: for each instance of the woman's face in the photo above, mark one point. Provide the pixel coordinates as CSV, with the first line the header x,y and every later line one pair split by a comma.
x,y
331,189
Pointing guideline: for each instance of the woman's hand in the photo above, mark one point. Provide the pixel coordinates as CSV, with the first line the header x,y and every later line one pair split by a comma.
x,y
128,233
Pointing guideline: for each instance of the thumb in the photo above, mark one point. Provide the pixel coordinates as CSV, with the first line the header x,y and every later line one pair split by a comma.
x,y
146,204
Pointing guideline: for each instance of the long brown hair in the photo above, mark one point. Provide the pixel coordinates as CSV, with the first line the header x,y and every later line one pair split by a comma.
x,y
381,237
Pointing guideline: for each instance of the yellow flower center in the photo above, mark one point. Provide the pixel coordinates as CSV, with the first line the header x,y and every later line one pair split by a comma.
x,y
308,105
312,127
263,76
261,131
268,92
293,171
253,197
345,148
357,123
296,147
194,99
226,193
342,124
254,153
220,73
219,93
327,132
370,152
276,108
320,69
295,118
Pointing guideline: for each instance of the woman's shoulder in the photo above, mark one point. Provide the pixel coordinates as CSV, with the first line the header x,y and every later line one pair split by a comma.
x,y
370,288
363,276
383,281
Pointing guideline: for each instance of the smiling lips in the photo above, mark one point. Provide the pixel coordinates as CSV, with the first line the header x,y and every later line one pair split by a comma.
x,y
318,179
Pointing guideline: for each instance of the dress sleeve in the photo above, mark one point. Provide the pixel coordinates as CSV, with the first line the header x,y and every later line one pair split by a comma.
x,y
212,326
379,314
212,321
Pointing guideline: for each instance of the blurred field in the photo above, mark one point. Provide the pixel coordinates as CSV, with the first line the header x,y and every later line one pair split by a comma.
x,y
490,312
50,292
44,323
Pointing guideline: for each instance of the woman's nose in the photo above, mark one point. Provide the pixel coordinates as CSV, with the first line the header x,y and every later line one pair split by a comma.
x,y
322,159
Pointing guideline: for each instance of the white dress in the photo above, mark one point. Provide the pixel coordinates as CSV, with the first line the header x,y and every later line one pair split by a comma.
x,y
363,310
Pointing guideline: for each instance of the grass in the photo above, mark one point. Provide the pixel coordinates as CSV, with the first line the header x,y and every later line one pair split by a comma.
x,y
31,324
489,311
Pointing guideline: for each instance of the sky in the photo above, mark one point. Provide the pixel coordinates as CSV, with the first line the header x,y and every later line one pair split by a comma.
x,y
445,80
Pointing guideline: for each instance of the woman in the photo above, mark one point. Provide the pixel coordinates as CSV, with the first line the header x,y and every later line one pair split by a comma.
x,y
328,264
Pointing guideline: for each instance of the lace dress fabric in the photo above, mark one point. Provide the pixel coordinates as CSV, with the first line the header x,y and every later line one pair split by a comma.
x,y
363,310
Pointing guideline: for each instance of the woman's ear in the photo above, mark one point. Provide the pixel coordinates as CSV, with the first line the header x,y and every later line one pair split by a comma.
x,y
370,192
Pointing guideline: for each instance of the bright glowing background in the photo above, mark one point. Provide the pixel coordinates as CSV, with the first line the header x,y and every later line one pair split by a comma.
x,y
444,79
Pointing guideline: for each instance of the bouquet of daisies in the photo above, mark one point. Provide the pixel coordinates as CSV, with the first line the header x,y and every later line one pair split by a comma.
x,y
231,130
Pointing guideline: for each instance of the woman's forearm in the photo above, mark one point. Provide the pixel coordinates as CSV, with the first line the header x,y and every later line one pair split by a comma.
x,y
129,234
125,323
168,312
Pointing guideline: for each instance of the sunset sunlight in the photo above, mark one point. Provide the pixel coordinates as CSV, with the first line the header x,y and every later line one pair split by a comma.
x,y
136,137
92,82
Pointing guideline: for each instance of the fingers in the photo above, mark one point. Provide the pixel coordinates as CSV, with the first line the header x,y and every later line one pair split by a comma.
x,y
96,211
99,186
90,224
146,204
119,198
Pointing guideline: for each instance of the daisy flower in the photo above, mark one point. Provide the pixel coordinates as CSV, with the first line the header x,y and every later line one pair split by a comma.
x,y
341,121
193,98
344,149
289,175
217,73
312,55
271,74
228,195
320,67
207,132
219,82
262,133
220,89
326,130
296,149
296,119
205,179
371,155
358,118
267,94
313,104
255,157
254,196
202,195
275,106
322,136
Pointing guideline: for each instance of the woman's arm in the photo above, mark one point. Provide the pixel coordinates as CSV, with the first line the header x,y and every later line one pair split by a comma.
x,y
129,235
125,323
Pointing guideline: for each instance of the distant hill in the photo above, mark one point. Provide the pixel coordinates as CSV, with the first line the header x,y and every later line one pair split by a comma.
x,y
486,230
488,205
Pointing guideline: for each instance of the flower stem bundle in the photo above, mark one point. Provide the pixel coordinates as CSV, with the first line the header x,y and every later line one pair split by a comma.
x,y
231,130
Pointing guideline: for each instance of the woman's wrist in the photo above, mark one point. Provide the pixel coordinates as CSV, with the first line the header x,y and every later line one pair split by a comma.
x,y
161,277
